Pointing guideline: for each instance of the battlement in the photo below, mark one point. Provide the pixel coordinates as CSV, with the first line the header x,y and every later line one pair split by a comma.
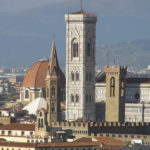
x,y
78,124
73,124
115,69
119,124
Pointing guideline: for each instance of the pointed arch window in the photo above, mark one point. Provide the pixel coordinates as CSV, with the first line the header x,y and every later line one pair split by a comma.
x,y
72,98
53,107
112,86
75,48
72,76
26,94
77,98
41,123
77,76
53,92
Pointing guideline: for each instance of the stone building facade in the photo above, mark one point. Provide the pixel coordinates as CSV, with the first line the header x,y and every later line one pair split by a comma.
x,y
115,93
80,65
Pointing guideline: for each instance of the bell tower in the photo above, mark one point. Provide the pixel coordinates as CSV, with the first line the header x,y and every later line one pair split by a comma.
x,y
115,93
80,65
52,90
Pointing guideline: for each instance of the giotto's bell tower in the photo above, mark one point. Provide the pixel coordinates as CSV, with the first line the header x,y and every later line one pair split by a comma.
x,y
80,65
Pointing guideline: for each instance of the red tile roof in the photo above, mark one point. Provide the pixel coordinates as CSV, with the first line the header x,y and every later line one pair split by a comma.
x,y
36,75
18,144
96,141
14,126
69,144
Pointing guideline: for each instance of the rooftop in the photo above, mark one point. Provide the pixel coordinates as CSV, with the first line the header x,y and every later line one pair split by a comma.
x,y
35,77
14,126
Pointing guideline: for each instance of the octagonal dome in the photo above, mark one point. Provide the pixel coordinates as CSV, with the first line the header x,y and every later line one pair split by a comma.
x,y
36,75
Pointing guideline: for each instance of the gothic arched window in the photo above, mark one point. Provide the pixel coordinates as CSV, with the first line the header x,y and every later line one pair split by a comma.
x,y
53,107
26,94
72,76
77,98
72,98
41,123
75,48
112,86
77,76
53,92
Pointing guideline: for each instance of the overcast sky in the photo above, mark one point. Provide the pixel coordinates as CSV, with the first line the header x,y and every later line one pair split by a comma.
x,y
27,27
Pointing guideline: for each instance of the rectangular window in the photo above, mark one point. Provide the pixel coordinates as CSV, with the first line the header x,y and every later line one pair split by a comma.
x,y
9,132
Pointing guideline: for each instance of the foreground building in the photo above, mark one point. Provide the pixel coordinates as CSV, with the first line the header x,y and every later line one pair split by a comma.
x,y
83,143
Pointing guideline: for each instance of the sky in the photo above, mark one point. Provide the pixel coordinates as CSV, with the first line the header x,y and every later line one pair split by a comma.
x,y
27,27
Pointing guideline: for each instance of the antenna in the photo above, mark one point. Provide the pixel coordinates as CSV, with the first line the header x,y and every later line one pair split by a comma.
x,y
81,4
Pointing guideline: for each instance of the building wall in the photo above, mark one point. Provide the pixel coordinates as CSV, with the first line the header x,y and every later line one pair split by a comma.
x,y
33,94
143,90
7,120
15,148
78,129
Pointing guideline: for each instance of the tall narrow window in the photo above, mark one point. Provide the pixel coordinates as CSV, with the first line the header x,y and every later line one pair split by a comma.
x,y
112,86
88,51
26,94
72,98
72,76
53,107
77,76
53,92
75,48
77,98
41,123
122,87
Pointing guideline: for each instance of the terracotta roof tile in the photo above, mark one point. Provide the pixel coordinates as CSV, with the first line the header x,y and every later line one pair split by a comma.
x,y
36,75
18,144
14,126
97,141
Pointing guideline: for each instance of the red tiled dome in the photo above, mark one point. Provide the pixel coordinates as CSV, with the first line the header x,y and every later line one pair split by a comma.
x,y
36,75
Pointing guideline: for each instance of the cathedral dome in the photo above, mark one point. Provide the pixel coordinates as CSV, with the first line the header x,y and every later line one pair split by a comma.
x,y
36,75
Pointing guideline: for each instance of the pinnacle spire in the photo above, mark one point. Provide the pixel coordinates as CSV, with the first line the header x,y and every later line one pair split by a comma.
x,y
53,61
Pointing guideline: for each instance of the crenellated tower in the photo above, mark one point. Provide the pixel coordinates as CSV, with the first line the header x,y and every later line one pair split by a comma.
x,y
115,93
80,65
